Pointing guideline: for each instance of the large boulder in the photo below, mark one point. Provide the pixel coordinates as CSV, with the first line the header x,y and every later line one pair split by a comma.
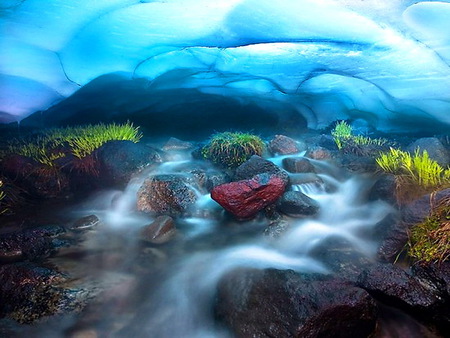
x,y
257,165
244,199
394,286
118,161
165,194
274,303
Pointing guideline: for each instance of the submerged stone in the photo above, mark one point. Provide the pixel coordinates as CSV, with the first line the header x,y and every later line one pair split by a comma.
x,y
160,231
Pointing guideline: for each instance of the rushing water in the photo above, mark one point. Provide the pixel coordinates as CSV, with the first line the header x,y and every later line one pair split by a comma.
x,y
175,299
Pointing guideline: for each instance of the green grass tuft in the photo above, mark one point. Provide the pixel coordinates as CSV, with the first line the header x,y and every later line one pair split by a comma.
x,y
81,141
344,138
418,168
429,241
230,150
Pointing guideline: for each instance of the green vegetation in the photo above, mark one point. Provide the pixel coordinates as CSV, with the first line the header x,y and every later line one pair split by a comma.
x,y
343,137
429,241
232,149
80,141
418,168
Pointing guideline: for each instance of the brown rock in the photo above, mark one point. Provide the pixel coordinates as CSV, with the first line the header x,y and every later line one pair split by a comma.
x,y
160,231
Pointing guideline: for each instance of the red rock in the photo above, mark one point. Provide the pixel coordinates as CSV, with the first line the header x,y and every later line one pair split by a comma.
x,y
244,199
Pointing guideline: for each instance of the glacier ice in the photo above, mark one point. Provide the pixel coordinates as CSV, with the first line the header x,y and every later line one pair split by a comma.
x,y
386,62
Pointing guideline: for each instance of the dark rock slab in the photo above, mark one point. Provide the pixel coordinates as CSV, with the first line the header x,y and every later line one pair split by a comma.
x,y
165,194
274,303
257,165
29,292
395,287
384,189
244,199
30,244
297,204
120,160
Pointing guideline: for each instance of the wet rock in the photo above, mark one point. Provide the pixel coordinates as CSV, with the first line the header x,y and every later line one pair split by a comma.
x,y
298,165
30,244
277,228
384,189
257,165
318,153
85,223
274,303
176,144
215,178
393,242
120,160
395,287
160,231
326,141
244,199
297,204
358,164
29,292
435,277
165,194
434,148
341,257
283,145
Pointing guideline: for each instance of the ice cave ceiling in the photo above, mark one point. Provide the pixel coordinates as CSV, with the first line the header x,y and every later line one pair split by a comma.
x,y
384,61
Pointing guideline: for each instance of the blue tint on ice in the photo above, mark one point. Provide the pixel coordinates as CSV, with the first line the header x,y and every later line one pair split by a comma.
x,y
384,61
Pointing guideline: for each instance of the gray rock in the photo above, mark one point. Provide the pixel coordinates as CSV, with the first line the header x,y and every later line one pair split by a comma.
x,y
434,148
297,204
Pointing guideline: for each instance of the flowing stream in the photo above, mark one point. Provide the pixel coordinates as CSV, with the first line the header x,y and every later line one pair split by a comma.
x,y
175,298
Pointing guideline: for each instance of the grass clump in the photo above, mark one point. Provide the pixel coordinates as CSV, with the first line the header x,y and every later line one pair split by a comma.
x,y
417,169
345,140
230,150
84,140
429,241
80,141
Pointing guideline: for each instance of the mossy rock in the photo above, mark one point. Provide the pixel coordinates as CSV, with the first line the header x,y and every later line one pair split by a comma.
x,y
229,150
